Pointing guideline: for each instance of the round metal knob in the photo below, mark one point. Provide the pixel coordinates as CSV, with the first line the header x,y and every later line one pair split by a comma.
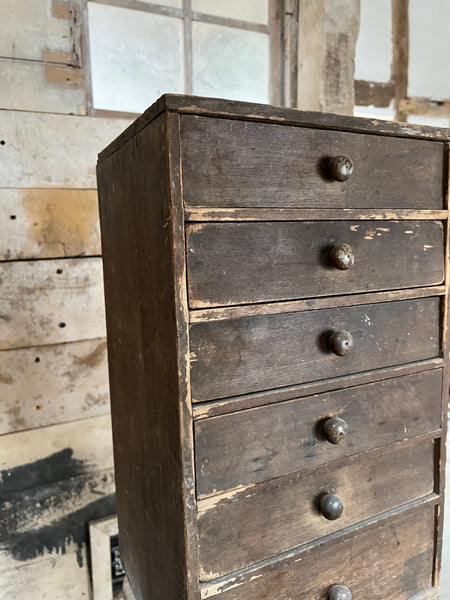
x,y
335,430
340,167
331,506
339,592
341,342
342,257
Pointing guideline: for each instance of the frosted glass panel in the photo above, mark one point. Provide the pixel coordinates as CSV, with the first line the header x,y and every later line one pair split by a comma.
x,y
375,112
171,3
255,11
374,48
135,57
230,63
429,48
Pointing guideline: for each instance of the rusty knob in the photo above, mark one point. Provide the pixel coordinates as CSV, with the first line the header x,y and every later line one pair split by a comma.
x,y
341,342
342,257
339,592
335,430
340,167
331,506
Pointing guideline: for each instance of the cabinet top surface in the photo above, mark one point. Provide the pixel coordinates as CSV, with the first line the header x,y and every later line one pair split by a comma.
x,y
233,109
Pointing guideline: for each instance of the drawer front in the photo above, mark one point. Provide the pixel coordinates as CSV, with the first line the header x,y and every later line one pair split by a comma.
x,y
230,163
250,354
261,521
389,560
270,441
240,263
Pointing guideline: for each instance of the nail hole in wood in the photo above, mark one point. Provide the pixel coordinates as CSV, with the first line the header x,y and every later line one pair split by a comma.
x,y
37,359
61,324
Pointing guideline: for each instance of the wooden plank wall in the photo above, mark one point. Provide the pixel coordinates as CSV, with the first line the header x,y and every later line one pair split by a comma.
x,y
55,437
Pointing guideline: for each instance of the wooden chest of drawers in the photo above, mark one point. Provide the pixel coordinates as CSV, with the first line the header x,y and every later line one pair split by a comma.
x,y
277,333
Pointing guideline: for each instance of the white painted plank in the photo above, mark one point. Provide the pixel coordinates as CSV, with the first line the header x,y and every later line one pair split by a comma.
x,y
53,384
89,440
31,31
47,150
55,577
37,86
51,302
48,223
100,533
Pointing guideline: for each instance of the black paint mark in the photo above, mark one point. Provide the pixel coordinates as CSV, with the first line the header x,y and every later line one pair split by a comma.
x,y
43,492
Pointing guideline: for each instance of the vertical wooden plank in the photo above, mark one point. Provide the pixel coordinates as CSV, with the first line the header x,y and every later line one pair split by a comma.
x,y
147,347
400,56
188,66
289,72
275,51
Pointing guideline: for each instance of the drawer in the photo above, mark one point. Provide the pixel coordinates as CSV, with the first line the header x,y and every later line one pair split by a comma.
x,y
388,560
254,445
244,164
250,354
240,263
242,528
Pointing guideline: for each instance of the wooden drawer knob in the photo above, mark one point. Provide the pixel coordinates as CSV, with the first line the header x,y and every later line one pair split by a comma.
x,y
341,342
340,167
339,592
342,257
335,430
331,506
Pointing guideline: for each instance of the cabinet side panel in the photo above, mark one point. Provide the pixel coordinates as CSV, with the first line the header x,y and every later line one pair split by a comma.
x,y
135,213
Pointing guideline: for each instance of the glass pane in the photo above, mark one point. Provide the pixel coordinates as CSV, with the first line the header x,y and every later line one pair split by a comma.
x,y
171,3
433,121
374,112
374,48
255,11
135,57
429,49
230,63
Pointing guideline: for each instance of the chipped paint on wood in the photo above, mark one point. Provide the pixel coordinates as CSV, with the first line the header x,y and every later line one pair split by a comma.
x,y
50,302
48,223
45,385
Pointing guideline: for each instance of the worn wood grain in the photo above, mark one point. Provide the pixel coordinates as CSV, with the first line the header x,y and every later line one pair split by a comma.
x,y
258,353
309,214
50,302
38,86
260,521
254,445
222,159
247,401
34,153
46,385
248,111
291,260
399,549
147,346
48,223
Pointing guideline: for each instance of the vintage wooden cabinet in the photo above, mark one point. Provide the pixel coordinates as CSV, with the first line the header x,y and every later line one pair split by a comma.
x,y
277,326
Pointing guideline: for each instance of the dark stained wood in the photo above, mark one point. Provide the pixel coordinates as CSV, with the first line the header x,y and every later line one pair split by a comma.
x,y
254,445
258,353
240,263
373,93
222,160
233,109
247,526
388,560
146,339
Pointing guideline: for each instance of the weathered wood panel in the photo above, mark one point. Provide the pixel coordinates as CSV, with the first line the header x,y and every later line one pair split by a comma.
x,y
291,260
399,550
252,524
48,223
38,86
34,153
37,30
222,160
55,577
45,385
50,302
254,445
252,354
66,448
